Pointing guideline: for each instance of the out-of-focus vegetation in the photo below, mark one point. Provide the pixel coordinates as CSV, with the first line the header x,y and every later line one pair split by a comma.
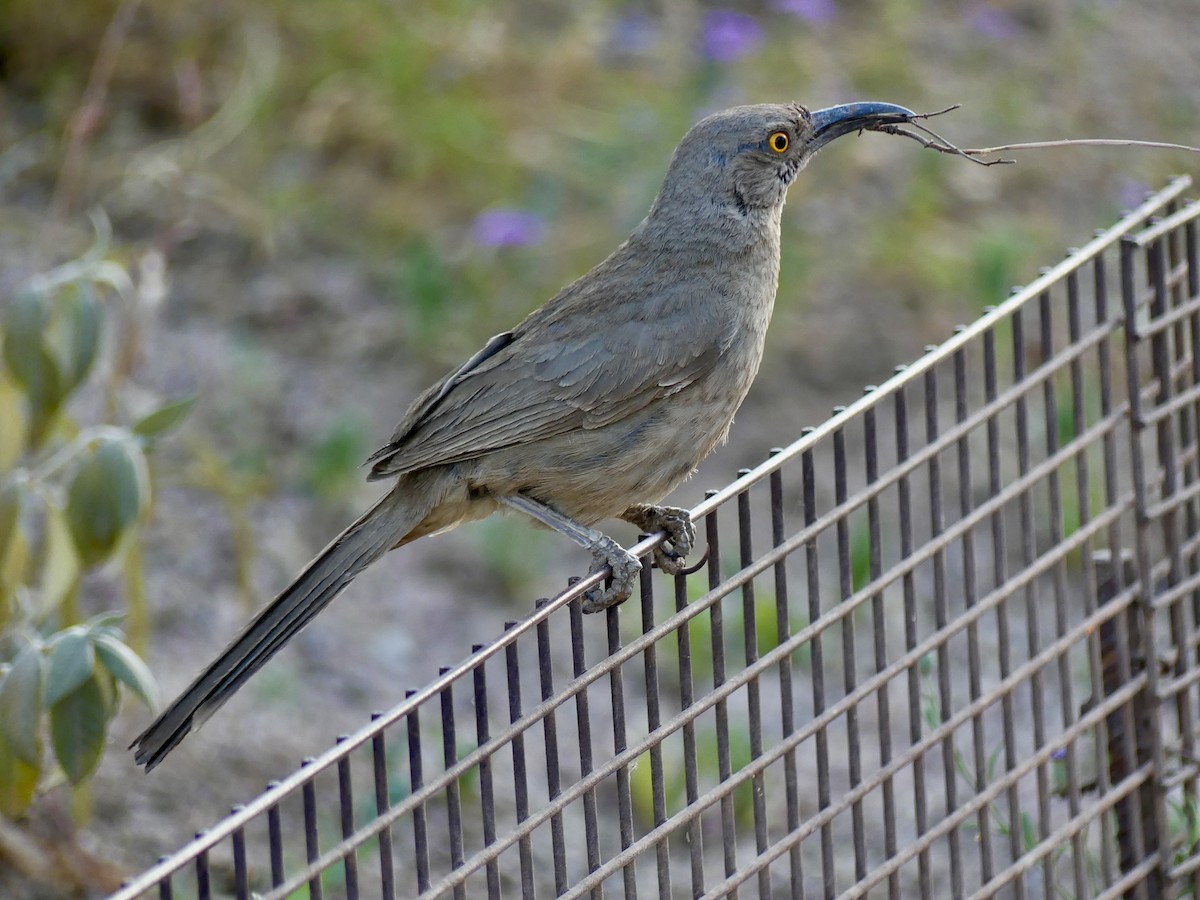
x,y
72,498
396,132
461,160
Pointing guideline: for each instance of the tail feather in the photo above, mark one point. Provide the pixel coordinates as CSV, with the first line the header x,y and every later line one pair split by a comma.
x,y
290,617
376,532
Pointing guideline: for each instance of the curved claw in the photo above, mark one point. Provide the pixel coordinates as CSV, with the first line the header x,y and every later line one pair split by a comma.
x,y
676,523
696,566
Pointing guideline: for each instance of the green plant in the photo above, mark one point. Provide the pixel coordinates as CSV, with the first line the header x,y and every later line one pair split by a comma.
x,y
335,460
67,686
1183,826
72,500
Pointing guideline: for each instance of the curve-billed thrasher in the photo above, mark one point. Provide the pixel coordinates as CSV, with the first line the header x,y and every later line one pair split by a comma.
x,y
595,406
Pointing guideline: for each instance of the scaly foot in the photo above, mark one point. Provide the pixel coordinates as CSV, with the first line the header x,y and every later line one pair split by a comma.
x,y
625,567
676,522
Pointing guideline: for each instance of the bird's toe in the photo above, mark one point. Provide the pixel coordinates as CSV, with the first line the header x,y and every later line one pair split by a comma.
x,y
607,553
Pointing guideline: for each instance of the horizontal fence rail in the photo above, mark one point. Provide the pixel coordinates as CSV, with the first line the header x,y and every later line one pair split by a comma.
x,y
945,644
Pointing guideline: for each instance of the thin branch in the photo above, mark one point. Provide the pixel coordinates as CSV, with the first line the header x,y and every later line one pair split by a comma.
x,y
940,112
939,145
931,140
1082,142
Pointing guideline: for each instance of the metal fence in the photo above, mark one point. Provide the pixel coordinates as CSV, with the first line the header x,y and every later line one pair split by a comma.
x,y
946,644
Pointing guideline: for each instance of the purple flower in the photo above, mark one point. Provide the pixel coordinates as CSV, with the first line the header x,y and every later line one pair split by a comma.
x,y
508,228
816,12
997,24
632,35
729,35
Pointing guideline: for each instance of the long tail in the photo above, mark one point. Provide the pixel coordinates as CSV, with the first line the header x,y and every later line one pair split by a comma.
x,y
377,531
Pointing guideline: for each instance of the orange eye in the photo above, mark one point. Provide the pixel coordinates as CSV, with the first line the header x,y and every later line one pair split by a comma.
x,y
779,141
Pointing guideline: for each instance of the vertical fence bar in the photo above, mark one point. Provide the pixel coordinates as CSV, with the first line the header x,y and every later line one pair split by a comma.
x,y
487,798
753,699
1117,671
813,568
787,702
453,797
1122,720
908,586
558,848
879,621
849,650
416,781
616,688
275,841
662,850
204,884
1167,518
991,374
520,775
691,775
970,590
941,614
1083,497
383,800
1141,639
583,724
716,618
312,846
1032,599
241,880
346,808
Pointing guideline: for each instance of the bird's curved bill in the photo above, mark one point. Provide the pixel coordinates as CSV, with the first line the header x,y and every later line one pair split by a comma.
x,y
834,121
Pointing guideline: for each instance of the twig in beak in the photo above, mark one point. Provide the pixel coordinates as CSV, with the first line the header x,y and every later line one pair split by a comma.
x,y
1084,142
934,141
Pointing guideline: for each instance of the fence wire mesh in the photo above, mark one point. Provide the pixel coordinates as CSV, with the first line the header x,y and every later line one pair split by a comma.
x,y
946,644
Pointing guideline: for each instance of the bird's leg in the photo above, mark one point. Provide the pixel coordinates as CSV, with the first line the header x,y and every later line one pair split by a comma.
x,y
676,522
605,551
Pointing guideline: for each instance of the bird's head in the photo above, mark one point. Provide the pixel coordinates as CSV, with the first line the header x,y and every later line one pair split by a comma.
x,y
746,157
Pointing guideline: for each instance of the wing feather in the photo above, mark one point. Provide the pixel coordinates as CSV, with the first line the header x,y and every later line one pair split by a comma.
x,y
549,376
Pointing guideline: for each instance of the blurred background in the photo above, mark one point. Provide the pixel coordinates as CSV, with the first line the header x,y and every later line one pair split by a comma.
x,y
301,213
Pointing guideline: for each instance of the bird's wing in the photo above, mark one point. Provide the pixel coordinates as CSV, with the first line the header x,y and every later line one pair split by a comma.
x,y
548,378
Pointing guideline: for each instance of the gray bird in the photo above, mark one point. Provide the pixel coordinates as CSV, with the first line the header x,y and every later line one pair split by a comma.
x,y
594,407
